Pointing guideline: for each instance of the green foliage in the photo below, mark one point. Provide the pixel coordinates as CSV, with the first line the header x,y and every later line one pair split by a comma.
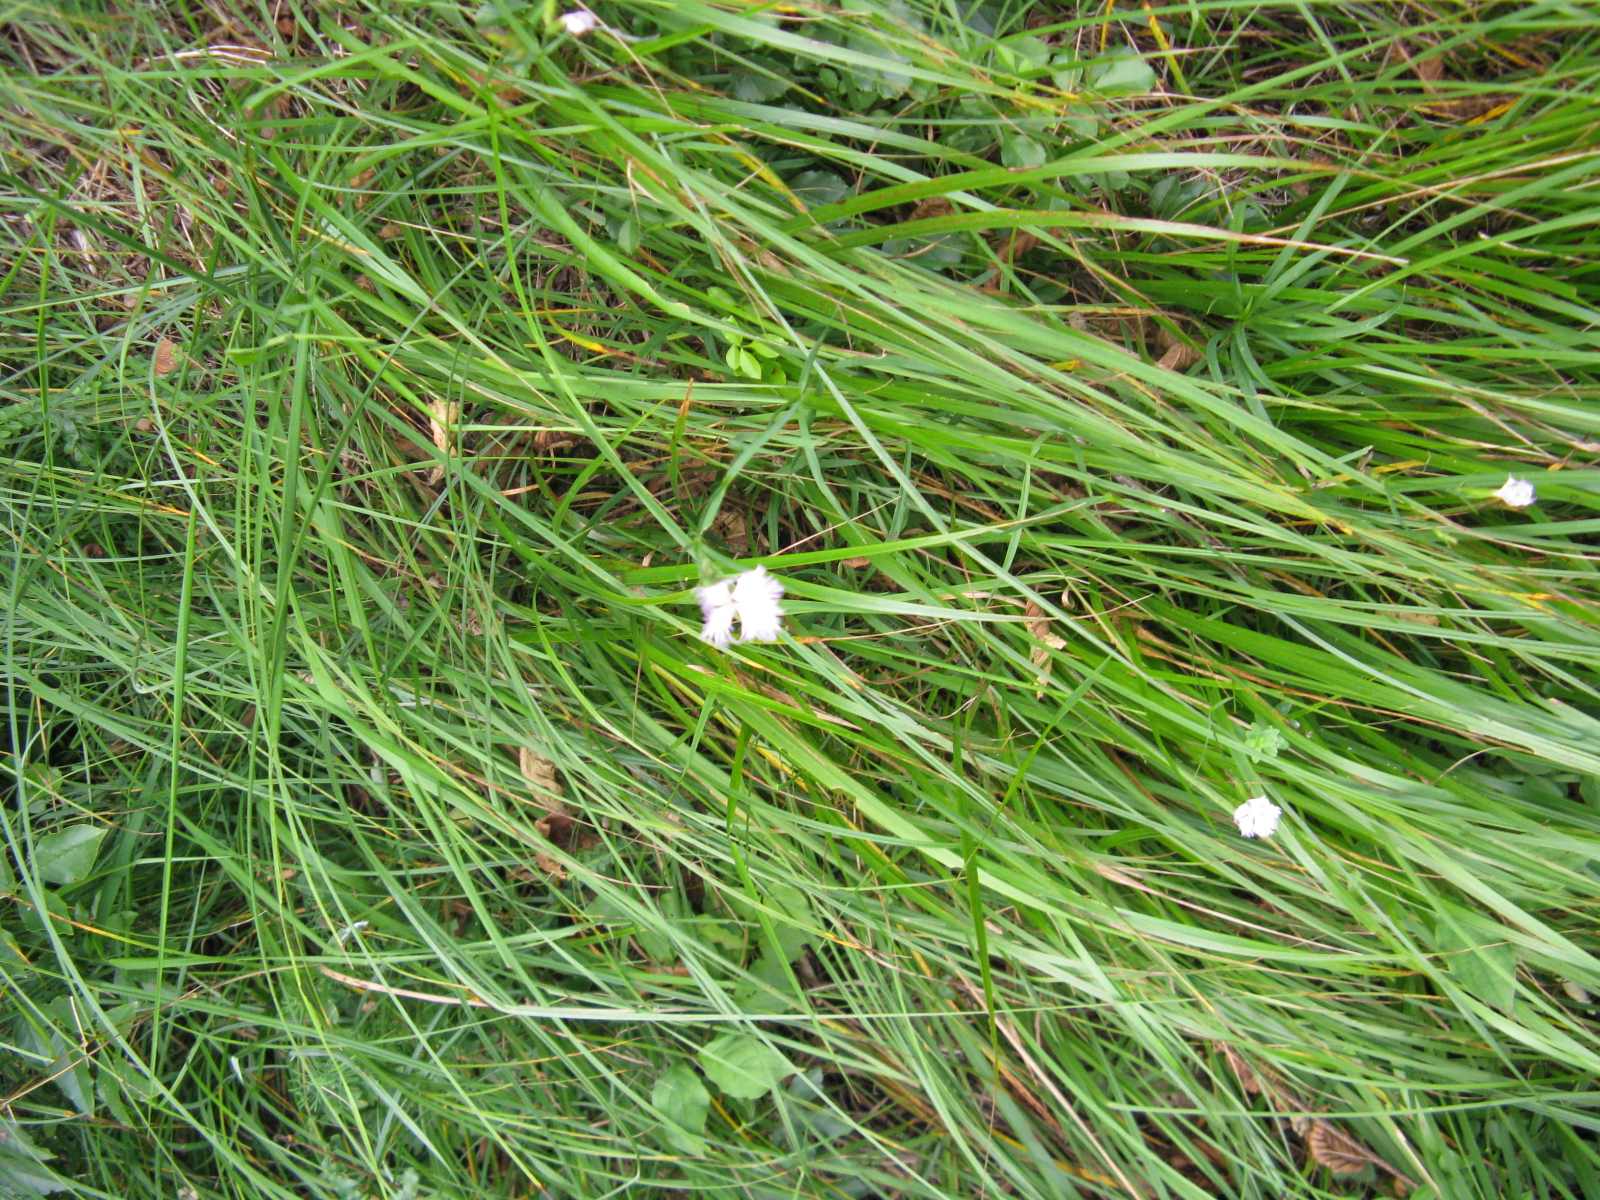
x,y
67,856
24,1165
682,1099
1121,397
743,1066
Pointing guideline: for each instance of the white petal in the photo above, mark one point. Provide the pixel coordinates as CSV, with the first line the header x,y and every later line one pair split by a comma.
x,y
766,626
714,596
756,589
755,596
718,629
579,22
1516,493
1257,817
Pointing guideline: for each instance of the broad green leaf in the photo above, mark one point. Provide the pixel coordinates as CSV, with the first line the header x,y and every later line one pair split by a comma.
x,y
789,911
757,87
1066,72
11,955
626,234
1080,121
22,1165
1478,956
1022,55
67,856
749,364
657,944
770,988
69,1068
793,925
682,1100
1125,74
816,188
1020,150
742,1065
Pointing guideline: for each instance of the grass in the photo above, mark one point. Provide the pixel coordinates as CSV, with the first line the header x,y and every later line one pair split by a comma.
x,y
1121,395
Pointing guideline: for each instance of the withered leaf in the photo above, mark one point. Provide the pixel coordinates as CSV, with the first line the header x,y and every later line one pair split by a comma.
x,y
1336,1150
1179,357
166,356
1039,626
539,771
557,825
442,414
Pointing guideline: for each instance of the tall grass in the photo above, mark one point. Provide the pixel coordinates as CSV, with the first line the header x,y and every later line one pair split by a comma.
x,y
1121,395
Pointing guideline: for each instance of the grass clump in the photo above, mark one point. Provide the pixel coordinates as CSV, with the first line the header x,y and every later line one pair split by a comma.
x,y
1121,396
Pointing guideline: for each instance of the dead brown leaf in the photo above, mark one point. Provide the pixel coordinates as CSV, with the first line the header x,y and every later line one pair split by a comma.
x,y
359,182
389,231
1336,1150
166,356
556,826
1039,627
552,869
1326,1144
1429,70
553,439
1416,618
1179,357
540,772
442,417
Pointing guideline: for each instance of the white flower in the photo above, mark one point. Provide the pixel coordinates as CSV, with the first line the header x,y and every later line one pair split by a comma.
x,y
751,598
1257,817
1516,493
716,606
755,596
579,22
